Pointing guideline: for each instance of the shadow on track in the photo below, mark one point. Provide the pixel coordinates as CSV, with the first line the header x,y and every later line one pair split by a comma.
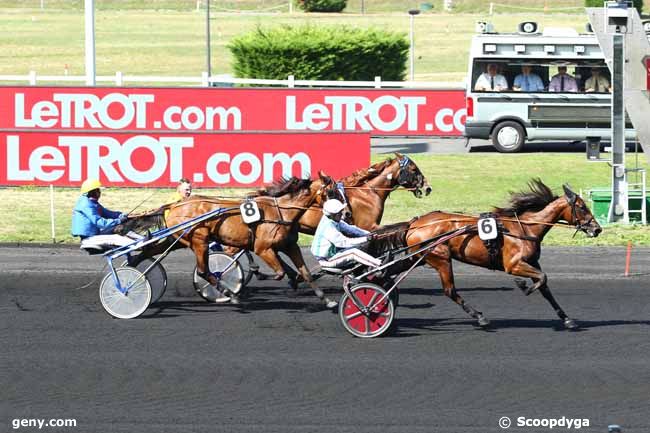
x,y
456,325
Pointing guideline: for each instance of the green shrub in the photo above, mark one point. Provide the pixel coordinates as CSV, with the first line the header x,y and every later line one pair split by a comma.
x,y
320,53
638,4
322,5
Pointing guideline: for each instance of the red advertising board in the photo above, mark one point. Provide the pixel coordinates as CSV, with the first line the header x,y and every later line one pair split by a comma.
x,y
383,112
217,137
215,159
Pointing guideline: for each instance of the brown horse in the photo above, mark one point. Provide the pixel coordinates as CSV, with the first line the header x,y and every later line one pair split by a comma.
x,y
280,206
523,225
366,191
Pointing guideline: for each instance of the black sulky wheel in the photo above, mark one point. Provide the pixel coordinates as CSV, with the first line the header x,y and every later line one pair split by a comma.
x,y
374,321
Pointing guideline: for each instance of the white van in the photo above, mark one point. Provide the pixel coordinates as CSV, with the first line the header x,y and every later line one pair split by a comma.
x,y
572,107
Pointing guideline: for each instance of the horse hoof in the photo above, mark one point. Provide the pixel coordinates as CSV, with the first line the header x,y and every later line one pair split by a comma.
x,y
235,300
330,305
483,322
531,289
570,324
521,283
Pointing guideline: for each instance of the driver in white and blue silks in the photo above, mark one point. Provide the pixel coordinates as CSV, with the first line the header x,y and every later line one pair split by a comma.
x,y
334,240
92,222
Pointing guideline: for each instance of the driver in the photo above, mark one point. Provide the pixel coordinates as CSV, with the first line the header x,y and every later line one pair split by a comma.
x,y
92,222
334,240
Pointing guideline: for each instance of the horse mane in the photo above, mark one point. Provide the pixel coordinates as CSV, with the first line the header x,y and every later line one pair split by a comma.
x,y
365,174
534,200
144,222
284,186
390,237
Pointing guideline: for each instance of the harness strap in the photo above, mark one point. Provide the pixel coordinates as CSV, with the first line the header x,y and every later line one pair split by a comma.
x,y
495,245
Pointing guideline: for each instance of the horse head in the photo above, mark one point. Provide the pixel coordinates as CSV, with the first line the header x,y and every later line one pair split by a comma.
x,y
410,176
331,189
579,214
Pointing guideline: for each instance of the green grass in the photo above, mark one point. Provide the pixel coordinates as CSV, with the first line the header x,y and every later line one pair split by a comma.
x,y
469,183
172,43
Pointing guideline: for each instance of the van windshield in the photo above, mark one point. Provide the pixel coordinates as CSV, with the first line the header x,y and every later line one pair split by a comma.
x,y
540,76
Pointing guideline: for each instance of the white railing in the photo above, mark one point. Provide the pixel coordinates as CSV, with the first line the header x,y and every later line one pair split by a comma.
x,y
119,79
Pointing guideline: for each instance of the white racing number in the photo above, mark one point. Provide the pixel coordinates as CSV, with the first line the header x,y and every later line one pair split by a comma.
x,y
487,229
250,213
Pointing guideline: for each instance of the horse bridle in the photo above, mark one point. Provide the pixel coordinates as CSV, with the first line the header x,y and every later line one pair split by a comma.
x,y
573,202
403,177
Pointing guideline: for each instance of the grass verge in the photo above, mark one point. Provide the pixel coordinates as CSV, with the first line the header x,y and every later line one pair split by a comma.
x,y
470,183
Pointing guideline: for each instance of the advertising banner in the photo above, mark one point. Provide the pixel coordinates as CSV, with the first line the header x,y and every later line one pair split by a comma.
x,y
209,160
383,112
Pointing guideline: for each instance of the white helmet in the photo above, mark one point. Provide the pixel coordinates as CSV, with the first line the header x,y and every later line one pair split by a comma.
x,y
332,207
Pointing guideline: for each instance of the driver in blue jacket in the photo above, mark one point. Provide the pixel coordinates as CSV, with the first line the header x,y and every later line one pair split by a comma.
x,y
92,222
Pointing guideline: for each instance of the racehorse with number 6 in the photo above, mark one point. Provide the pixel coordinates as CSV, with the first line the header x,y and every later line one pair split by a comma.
x,y
521,226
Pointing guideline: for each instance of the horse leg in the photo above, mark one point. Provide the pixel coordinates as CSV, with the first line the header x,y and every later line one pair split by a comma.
x,y
271,258
546,293
294,253
202,252
444,268
523,269
290,273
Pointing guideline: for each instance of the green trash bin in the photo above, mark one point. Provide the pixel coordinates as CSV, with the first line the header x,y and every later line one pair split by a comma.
x,y
600,200
602,197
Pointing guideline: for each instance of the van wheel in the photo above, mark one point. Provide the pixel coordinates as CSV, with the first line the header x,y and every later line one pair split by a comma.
x,y
508,137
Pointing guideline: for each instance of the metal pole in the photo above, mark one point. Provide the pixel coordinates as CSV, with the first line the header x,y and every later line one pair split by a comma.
x,y
52,213
363,7
618,210
89,6
207,38
412,51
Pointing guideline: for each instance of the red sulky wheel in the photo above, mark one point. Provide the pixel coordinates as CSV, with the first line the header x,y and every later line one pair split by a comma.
x,y
372,323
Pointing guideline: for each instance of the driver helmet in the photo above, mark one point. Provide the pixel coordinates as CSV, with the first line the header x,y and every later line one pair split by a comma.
x,y
89,185
332,207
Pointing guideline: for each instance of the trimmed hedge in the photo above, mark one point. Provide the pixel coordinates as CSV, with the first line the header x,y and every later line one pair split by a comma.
x,y
638,4
322,5
320,53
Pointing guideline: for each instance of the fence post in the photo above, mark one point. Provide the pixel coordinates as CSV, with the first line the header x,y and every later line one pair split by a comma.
x,y
377,82
291,84
290,6
32,78
491,8
198,5
205,79
52,213
119,79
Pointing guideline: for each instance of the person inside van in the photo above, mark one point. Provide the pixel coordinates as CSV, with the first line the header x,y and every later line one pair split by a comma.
x,y
562,82
527,81
490,81
597,82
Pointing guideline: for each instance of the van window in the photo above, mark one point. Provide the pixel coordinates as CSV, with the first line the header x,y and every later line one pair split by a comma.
x,y
576,81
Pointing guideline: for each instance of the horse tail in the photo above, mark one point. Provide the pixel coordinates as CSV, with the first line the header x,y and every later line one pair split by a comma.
x,y
388,238
144,223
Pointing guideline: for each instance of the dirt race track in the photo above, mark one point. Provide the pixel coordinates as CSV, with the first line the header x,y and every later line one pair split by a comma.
x,y
279,363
